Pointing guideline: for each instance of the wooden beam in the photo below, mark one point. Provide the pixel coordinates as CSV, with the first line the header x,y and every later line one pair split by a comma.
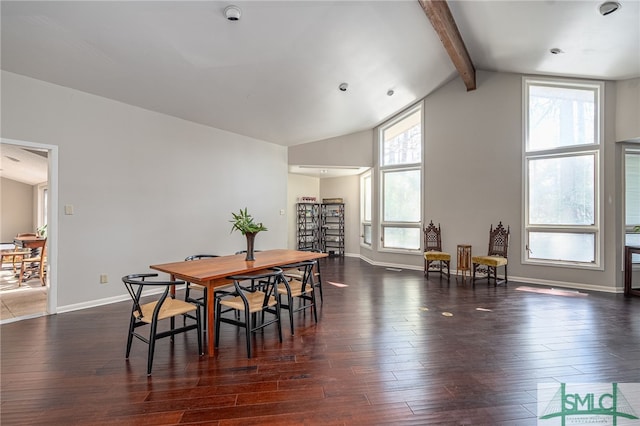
x,y
442,21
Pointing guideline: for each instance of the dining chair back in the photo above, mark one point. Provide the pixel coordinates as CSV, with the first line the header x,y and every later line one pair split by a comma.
x,y
151,313
496,255
317,274
33,263
254,294
301,289
433,251
200,298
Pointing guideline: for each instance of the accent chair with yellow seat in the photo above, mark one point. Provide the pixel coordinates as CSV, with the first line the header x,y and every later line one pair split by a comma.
x,y
433,251
496,255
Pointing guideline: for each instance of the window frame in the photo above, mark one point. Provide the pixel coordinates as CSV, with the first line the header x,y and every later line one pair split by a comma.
x,y
384,224
364,222
594,149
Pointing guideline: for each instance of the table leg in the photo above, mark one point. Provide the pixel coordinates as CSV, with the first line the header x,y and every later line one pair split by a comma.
x,y
210,321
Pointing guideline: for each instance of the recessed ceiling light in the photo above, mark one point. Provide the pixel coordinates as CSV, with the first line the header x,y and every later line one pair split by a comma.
x,y
556,51
343,87
390,92
232,13
608,7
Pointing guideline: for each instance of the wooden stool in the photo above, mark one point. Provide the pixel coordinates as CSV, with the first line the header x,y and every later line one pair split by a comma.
x,y
464,260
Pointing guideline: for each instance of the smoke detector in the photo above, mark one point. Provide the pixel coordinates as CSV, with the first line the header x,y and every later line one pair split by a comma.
x,y
232,13
608,7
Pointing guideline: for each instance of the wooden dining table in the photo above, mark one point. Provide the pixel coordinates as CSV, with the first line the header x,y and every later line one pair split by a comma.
x,y
213,272
29,242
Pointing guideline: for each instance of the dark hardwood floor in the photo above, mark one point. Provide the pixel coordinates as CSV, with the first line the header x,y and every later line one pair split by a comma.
x,y
381,353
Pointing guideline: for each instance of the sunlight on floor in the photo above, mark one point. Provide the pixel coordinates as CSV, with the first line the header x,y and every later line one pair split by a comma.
x,y
27,300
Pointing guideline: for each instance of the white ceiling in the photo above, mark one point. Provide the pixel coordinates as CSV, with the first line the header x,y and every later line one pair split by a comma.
x,y
274,74
23,165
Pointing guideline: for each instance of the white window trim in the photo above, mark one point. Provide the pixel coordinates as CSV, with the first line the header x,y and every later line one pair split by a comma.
x,y
597,149
382,169
364,222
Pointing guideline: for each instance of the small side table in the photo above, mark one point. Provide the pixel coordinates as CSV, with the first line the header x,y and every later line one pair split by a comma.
x,y
464,260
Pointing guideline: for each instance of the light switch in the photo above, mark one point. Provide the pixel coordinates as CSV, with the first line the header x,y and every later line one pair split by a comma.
x,y
68,209
281,212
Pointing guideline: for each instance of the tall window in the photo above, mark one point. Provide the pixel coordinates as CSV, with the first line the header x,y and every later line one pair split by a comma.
x,y
632,196
561,163
365,206
401,181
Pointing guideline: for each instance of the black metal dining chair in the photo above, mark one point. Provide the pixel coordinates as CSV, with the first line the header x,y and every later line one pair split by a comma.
x,y
152,313
200,299
254,294
317,274
301,288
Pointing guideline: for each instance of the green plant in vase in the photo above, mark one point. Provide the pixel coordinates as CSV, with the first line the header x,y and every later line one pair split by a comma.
x,y
244,222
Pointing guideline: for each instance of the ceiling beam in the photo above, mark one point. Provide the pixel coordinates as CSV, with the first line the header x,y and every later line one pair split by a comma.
x,y
442,21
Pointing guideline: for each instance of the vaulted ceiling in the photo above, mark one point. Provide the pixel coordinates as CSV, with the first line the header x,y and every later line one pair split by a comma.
x,y
274,74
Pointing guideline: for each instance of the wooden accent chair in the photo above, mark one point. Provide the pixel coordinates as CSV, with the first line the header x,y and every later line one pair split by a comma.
x,y
433,251
259,297
13,256
301,288
152,313
34,262
496,255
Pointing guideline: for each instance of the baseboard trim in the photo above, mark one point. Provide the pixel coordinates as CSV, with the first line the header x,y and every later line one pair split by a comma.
x,y
105,301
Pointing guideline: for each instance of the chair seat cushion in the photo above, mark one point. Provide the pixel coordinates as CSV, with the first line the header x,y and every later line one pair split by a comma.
x,y
170,308
255,300
436,255
489,260
296,288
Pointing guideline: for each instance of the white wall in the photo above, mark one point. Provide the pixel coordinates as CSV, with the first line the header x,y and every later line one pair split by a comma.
x,y
16,209
146,188
355,149
628,110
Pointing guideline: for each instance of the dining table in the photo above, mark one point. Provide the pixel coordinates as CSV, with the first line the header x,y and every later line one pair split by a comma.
x,y
29,242
214,272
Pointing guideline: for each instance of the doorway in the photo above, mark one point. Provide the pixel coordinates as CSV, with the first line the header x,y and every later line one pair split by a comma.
x,y
30,299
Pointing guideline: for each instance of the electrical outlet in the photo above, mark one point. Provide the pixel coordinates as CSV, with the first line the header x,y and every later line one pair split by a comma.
x,y
103,279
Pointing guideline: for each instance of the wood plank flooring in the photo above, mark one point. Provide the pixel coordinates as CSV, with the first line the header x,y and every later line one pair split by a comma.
x,y
381,353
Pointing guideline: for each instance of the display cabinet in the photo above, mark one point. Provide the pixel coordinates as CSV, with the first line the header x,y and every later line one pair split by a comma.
x,y
308,226
332,238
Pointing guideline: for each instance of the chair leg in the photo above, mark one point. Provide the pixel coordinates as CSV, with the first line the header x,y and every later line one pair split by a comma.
x,y
199,330
152,347
315,311
473,274
278,317
319,285
290,309
448,269
247,328
130,337
204,308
